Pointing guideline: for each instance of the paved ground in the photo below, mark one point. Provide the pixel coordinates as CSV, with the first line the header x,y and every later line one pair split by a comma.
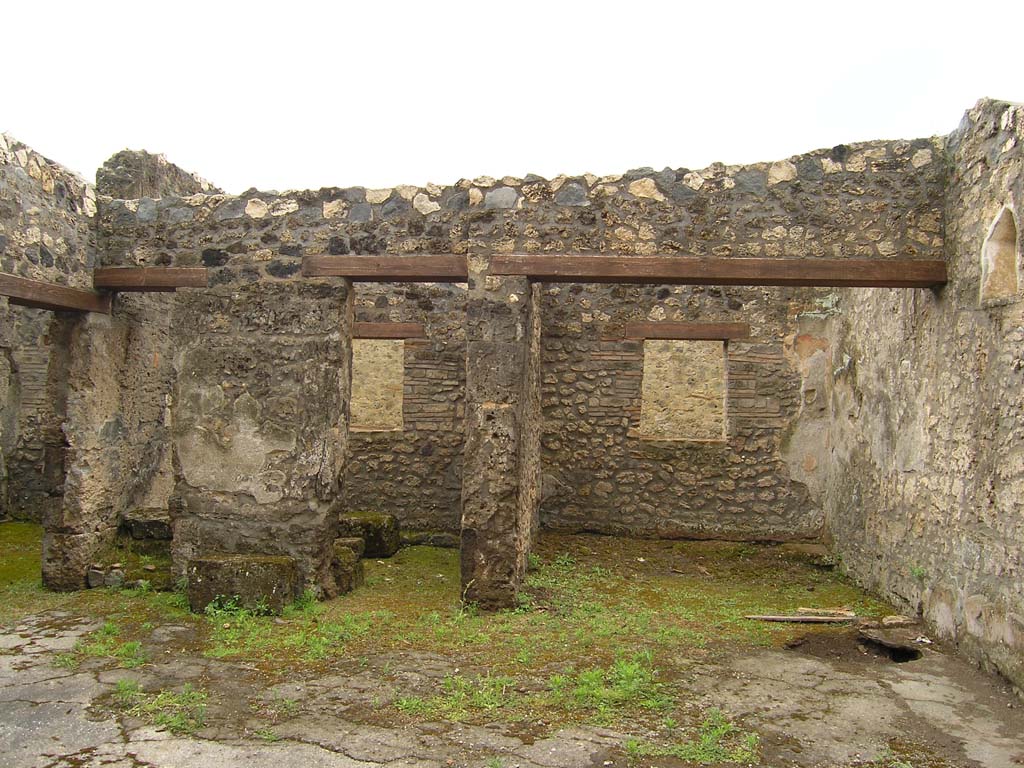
x,y
821,703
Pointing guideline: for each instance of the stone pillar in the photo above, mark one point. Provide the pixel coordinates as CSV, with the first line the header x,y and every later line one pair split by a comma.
x,y
501,465
260,422
6,410
118,379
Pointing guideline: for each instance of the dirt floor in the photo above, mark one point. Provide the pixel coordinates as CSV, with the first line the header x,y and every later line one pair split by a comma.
x,y
622,653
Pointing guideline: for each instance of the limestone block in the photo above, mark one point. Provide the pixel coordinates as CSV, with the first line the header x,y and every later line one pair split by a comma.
x,y
379,531
256,581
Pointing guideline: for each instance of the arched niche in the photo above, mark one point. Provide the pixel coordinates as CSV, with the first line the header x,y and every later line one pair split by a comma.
x,y
999,279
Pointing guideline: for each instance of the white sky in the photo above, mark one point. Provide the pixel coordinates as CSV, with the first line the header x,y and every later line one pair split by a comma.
x,y
296,95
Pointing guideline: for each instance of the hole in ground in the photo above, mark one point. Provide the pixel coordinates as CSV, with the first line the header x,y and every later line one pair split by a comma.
x,y
900,654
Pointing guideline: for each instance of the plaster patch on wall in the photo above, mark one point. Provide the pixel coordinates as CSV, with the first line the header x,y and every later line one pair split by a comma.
x,y
683,390
378,371
999,279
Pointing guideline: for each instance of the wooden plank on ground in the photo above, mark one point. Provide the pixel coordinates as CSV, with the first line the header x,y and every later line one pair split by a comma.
x,y
687,270
388,331
416,268
149,278
41,295
687,331
805,619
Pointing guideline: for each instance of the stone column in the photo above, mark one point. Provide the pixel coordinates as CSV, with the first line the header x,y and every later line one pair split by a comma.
x,y
118,379
260,422
6,409
501,465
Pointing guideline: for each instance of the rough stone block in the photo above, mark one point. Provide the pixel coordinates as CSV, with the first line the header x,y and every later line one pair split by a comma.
x,y
150,523
347,567
379,531
430,539
256,581
356,543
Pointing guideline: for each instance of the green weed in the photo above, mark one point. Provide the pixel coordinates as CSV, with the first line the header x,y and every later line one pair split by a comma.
x,y
180,712
627,683
462,698
106,643
717,741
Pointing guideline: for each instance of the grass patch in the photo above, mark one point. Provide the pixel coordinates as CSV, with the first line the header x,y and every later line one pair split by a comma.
x,y
106,643
179,712
463,698
303,633
605,691
22,592
717,741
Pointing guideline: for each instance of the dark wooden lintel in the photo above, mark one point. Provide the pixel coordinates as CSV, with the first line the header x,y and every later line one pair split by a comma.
x,y
149,278
687,331
388,331
35,293
416,268
687,270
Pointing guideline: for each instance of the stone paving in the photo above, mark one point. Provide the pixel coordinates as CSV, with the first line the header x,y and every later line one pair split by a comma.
x,y
812,707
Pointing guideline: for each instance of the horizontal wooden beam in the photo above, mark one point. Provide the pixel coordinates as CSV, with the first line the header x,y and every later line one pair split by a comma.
x,y
35,293
687,270
418,268
149,278
388,331
687,331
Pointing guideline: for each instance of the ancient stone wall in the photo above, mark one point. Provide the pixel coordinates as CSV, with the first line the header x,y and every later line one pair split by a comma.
x,y
45,234
132,175
925,496
761,480
416,472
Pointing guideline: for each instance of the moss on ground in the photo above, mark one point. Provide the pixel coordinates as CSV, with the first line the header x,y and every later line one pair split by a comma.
x,y
606,631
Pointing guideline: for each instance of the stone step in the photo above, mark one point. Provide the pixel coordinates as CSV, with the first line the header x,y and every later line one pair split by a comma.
x,y
380,532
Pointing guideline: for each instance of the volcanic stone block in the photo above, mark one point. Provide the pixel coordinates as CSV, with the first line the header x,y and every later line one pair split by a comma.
x,y
144,524
430,539
256,581
379,531
356,543
347,567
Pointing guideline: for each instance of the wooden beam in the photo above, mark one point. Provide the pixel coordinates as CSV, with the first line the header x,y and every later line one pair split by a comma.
x,y
388,331
35,293
149,278
687,331
687,270
418,268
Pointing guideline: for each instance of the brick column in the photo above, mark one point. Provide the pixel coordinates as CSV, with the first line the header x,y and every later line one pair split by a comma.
x,y
501,465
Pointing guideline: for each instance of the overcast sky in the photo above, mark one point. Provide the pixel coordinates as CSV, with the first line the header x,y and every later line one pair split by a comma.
x,y
295,95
